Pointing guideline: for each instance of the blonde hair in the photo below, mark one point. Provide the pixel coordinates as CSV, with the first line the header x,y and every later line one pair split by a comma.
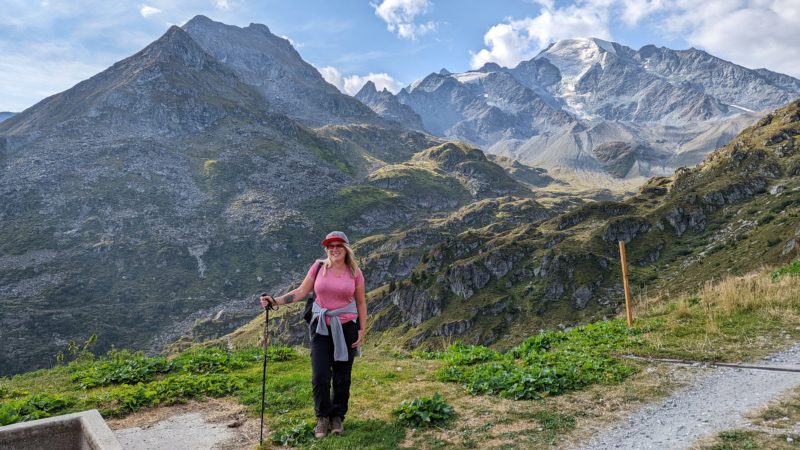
x,y
349,260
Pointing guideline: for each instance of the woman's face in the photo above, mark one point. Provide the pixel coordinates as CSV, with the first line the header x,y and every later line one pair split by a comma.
x,y
336,251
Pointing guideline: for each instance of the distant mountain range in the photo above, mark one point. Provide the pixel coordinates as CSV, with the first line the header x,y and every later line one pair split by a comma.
x,y
5,115
658,109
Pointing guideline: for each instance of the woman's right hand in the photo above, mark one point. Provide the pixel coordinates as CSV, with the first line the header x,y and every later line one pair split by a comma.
x,y
267,300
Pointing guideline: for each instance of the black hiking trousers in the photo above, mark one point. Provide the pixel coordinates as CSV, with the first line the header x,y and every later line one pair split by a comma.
x,y
325,370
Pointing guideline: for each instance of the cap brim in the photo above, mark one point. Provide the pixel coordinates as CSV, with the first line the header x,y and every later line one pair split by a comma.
x,y
326,242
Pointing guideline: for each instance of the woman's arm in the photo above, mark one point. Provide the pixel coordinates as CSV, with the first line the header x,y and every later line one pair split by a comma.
x,y
298,294
361,305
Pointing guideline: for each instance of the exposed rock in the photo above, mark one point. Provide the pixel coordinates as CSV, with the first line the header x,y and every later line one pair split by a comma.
x,y
582,296
777,189
790,245
465,278
418,304
625,229
682,220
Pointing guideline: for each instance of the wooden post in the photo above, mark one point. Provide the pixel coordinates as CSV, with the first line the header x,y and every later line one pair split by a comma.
x,y
624,261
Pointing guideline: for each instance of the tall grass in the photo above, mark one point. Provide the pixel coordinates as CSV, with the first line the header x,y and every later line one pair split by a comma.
x,y
755,291
729,319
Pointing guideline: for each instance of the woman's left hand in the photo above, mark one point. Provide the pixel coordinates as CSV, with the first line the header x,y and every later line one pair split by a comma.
x,y
360,340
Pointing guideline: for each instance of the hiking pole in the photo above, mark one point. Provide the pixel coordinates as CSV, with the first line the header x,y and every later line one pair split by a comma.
x,y
264,370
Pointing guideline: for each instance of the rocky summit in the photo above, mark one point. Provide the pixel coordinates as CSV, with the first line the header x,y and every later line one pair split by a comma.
x,y
566,107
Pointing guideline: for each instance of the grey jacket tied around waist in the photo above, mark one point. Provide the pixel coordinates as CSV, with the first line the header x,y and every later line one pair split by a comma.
x,y
318,313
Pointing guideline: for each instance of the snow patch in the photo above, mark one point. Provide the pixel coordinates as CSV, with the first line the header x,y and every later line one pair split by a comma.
x,y
742,108
469,77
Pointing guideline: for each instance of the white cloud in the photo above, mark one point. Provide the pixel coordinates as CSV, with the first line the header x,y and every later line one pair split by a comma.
x,y
148,11
224,5
352,84
633,11
400,16
517,40
756,33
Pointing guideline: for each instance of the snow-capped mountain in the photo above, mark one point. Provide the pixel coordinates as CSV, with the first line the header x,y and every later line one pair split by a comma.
x,y
662,108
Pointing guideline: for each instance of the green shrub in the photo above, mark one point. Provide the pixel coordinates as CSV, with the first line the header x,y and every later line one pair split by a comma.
x,y
170,390
549,363
294,435
34,407
462,354
121,368
215,360
424,411
281,353
792,270
210,360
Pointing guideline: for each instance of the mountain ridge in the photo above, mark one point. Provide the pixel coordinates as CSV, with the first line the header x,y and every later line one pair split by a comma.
x,y
675,103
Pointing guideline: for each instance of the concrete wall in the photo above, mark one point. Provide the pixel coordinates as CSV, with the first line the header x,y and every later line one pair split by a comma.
x,y
80,431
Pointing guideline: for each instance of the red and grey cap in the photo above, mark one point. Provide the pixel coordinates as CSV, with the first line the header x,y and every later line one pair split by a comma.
x,y
335,236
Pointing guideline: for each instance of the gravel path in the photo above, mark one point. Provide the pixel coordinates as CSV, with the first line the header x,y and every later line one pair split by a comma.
x,y
717,400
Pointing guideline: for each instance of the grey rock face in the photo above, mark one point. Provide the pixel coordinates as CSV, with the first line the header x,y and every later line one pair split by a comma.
x,y
625,229
387,106
729,83
274,68
482,107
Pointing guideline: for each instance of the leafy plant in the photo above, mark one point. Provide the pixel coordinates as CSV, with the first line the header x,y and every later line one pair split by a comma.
x,y
294,435
210,360
171,390
461,354
34,407
549,363
121,367
792,269
424,411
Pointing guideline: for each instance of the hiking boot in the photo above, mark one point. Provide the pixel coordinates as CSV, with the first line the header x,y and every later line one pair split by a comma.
x,y
321,430
336,425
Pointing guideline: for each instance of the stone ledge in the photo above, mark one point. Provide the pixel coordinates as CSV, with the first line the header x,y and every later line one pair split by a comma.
x,y
79,431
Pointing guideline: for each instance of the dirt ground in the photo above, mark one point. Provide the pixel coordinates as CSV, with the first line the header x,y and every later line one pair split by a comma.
x,y
210,424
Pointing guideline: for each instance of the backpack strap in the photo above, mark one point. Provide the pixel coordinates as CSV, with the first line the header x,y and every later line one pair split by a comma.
x,y
319,266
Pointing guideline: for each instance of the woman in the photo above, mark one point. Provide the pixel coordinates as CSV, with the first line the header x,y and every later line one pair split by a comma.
x,y
337,327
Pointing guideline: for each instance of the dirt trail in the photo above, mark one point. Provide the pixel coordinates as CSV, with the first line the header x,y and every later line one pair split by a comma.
x,y
717,400
211,424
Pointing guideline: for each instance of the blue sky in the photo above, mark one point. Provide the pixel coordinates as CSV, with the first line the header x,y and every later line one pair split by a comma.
x,y
47,46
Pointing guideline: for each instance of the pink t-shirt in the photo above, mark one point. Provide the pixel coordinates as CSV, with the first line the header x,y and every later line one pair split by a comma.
x,y
335,291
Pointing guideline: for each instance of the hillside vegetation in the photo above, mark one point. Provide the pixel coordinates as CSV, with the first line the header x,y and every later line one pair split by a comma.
x,y
545,391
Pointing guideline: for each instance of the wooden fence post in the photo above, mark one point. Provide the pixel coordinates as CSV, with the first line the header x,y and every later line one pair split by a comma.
x,y
624,261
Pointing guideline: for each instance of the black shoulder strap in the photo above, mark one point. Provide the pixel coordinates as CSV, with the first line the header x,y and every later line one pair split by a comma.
x,y
319,266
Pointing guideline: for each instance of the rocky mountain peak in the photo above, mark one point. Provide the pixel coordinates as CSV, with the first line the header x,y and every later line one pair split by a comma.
x,y
368,88
386,105
149,93
271,65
